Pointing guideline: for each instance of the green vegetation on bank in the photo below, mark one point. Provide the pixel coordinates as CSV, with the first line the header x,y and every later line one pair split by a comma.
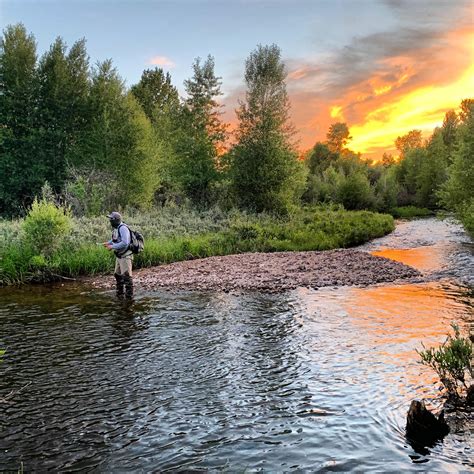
x,y
78,136
175,235
452,361
410,212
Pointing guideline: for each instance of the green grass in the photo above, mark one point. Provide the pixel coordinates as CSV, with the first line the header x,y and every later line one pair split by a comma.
x,y
410,212
190,235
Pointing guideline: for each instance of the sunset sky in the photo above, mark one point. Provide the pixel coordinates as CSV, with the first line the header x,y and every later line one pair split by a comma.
x,y
383,66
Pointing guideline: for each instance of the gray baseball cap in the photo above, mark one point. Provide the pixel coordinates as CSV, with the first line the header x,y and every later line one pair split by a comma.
x,y
115,215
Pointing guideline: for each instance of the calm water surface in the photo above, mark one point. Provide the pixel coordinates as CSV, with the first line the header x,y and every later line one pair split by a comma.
x,y
305,381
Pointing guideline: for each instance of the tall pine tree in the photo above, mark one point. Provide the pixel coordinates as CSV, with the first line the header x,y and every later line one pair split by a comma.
x,y
199,134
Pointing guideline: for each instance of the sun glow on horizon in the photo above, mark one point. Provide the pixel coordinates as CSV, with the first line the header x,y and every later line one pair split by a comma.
x,y
422,109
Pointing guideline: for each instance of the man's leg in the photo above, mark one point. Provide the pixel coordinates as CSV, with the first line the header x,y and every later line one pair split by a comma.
x,y
119,281
127,276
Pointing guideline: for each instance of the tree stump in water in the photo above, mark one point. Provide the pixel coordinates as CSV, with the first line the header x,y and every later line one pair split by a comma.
x,y
423,427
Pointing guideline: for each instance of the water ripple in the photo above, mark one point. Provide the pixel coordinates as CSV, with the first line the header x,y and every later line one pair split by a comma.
x,y
305,381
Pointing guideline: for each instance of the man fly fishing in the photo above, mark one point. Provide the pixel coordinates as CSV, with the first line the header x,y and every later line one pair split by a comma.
x,y
120,244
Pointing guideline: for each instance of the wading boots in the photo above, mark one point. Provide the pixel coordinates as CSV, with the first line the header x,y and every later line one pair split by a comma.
x,y
119,283
127,279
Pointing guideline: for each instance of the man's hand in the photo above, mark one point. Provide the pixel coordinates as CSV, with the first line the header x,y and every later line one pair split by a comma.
x,y
107,245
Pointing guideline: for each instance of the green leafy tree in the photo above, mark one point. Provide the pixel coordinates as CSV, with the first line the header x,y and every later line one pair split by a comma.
x,y
388,160
355,192
119,141
203,89
21,172
266,173
433,171
465,110
386,190
457,193
156,94
408,172
338,137
449,129
63,106
198,135
412,140
320,158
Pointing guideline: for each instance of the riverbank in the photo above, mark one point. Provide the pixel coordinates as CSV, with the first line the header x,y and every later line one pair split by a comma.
x,y
173,235
271,273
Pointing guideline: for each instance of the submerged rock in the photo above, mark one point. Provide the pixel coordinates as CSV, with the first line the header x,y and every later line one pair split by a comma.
x,y
423,427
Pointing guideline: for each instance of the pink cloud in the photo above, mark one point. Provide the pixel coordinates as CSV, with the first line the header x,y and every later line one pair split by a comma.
x,y
161,61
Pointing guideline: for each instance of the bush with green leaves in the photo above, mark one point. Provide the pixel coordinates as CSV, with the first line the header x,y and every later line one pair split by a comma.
x,y
410,212
46,226
452,361
355,192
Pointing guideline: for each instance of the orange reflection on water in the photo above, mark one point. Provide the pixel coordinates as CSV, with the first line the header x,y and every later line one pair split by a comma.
x,y
404,313
396,320
422,258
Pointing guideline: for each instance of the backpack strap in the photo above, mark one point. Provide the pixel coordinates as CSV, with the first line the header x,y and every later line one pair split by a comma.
x,y
129,231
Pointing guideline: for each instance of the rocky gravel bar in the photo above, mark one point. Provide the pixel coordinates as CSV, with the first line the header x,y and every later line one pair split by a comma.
x,y
270,272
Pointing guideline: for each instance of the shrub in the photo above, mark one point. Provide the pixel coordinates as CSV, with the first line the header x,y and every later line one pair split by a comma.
x,y
451,361
355,192
46,226
465,213
409,212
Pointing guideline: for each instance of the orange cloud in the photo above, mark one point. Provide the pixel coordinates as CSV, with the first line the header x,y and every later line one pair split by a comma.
x,y
383,86
423,109
161,61
297,74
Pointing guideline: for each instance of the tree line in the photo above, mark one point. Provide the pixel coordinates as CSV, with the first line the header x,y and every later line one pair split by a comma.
x,y
100,145
433,173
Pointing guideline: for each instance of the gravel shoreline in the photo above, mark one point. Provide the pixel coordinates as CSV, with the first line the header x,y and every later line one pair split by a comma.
x,y
270,272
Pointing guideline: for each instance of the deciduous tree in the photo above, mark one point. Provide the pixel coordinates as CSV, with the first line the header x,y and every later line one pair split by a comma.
x,y
265,171
337,137
413,139
21,172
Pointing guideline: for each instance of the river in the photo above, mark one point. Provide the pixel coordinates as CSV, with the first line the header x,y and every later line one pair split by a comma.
x,y
307,380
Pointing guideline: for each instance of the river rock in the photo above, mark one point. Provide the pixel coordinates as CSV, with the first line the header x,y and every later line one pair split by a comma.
x,y
272,273
423,427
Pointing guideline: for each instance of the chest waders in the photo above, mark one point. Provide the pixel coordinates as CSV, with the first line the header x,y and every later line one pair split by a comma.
x,y
123,269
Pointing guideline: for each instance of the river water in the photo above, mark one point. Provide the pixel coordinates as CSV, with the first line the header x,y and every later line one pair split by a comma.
x,y
302,381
